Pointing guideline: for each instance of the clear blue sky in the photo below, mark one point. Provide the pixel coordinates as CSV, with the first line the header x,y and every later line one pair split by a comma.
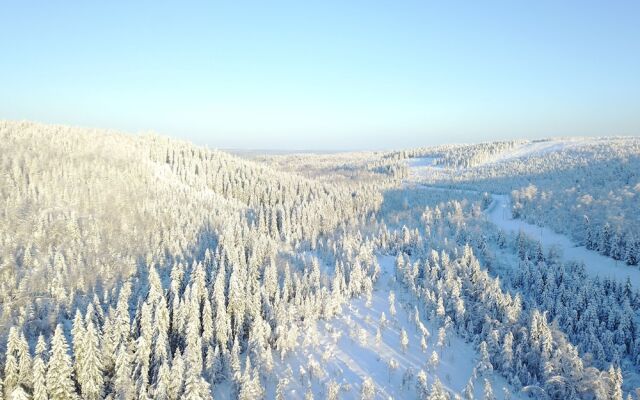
x,y
331,74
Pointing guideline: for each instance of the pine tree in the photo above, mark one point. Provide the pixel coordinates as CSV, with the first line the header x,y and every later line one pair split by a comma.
x,y
163,382
632,251
368,390
207,322
92,381
11,369
434,360
422,388
423,344
488,391
404,340
615,381
24,362
59,372
280,388
40,372
437,391
507,352
19,394
333,390
604,244
123,384
77,336
468,390
177,377
484,364
222,323
196,388
142,355
161,333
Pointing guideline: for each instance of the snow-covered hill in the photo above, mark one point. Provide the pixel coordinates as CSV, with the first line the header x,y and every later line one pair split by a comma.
x,y
137,267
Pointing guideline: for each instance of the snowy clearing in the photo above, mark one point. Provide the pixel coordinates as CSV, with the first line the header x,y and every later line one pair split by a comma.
x,y
351,340
538,148
499,213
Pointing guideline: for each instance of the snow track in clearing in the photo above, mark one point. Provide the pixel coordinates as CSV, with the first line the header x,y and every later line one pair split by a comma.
x,y
353,360
499,212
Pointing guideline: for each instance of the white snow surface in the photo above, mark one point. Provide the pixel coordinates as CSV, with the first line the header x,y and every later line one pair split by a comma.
x,y
420,166
538,148
352,361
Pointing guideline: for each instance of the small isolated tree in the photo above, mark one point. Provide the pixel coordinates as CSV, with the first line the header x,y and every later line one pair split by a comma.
x,y
362,336
423,344
484,364
437,391
468,390
422,387
404,340
488,391
442,338
393,365
308,394
383,320
368,390
333,390
434,361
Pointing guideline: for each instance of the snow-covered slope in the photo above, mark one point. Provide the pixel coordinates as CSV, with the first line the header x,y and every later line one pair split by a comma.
x,y
356,355
537,148
595,264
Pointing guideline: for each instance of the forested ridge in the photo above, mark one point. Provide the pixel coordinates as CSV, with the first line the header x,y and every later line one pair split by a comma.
x,y
137,267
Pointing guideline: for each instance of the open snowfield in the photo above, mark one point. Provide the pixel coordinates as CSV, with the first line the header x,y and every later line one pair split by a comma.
x,y
420,166
538,148
350,339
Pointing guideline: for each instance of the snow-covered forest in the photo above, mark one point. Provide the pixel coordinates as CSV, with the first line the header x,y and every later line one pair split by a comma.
x,y
143,267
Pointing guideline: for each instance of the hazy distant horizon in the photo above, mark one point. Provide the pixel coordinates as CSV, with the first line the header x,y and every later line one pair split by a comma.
x,y
332,75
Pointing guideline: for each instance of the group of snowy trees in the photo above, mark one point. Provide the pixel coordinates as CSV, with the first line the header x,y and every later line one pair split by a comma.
x,y
588,189
219,319
143,267
181,267
461,156
607,225
522,342
84,209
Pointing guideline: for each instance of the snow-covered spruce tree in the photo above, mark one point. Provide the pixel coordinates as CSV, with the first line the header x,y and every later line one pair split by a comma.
x,y
60,385
404,340
11,366
123,385
176,383
39,374
368,389
92,380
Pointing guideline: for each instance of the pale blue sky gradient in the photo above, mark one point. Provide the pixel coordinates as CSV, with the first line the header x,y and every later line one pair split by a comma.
x,y
325,74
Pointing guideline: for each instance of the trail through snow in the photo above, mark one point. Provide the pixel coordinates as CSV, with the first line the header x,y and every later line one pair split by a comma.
x,y
350,339
499,212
